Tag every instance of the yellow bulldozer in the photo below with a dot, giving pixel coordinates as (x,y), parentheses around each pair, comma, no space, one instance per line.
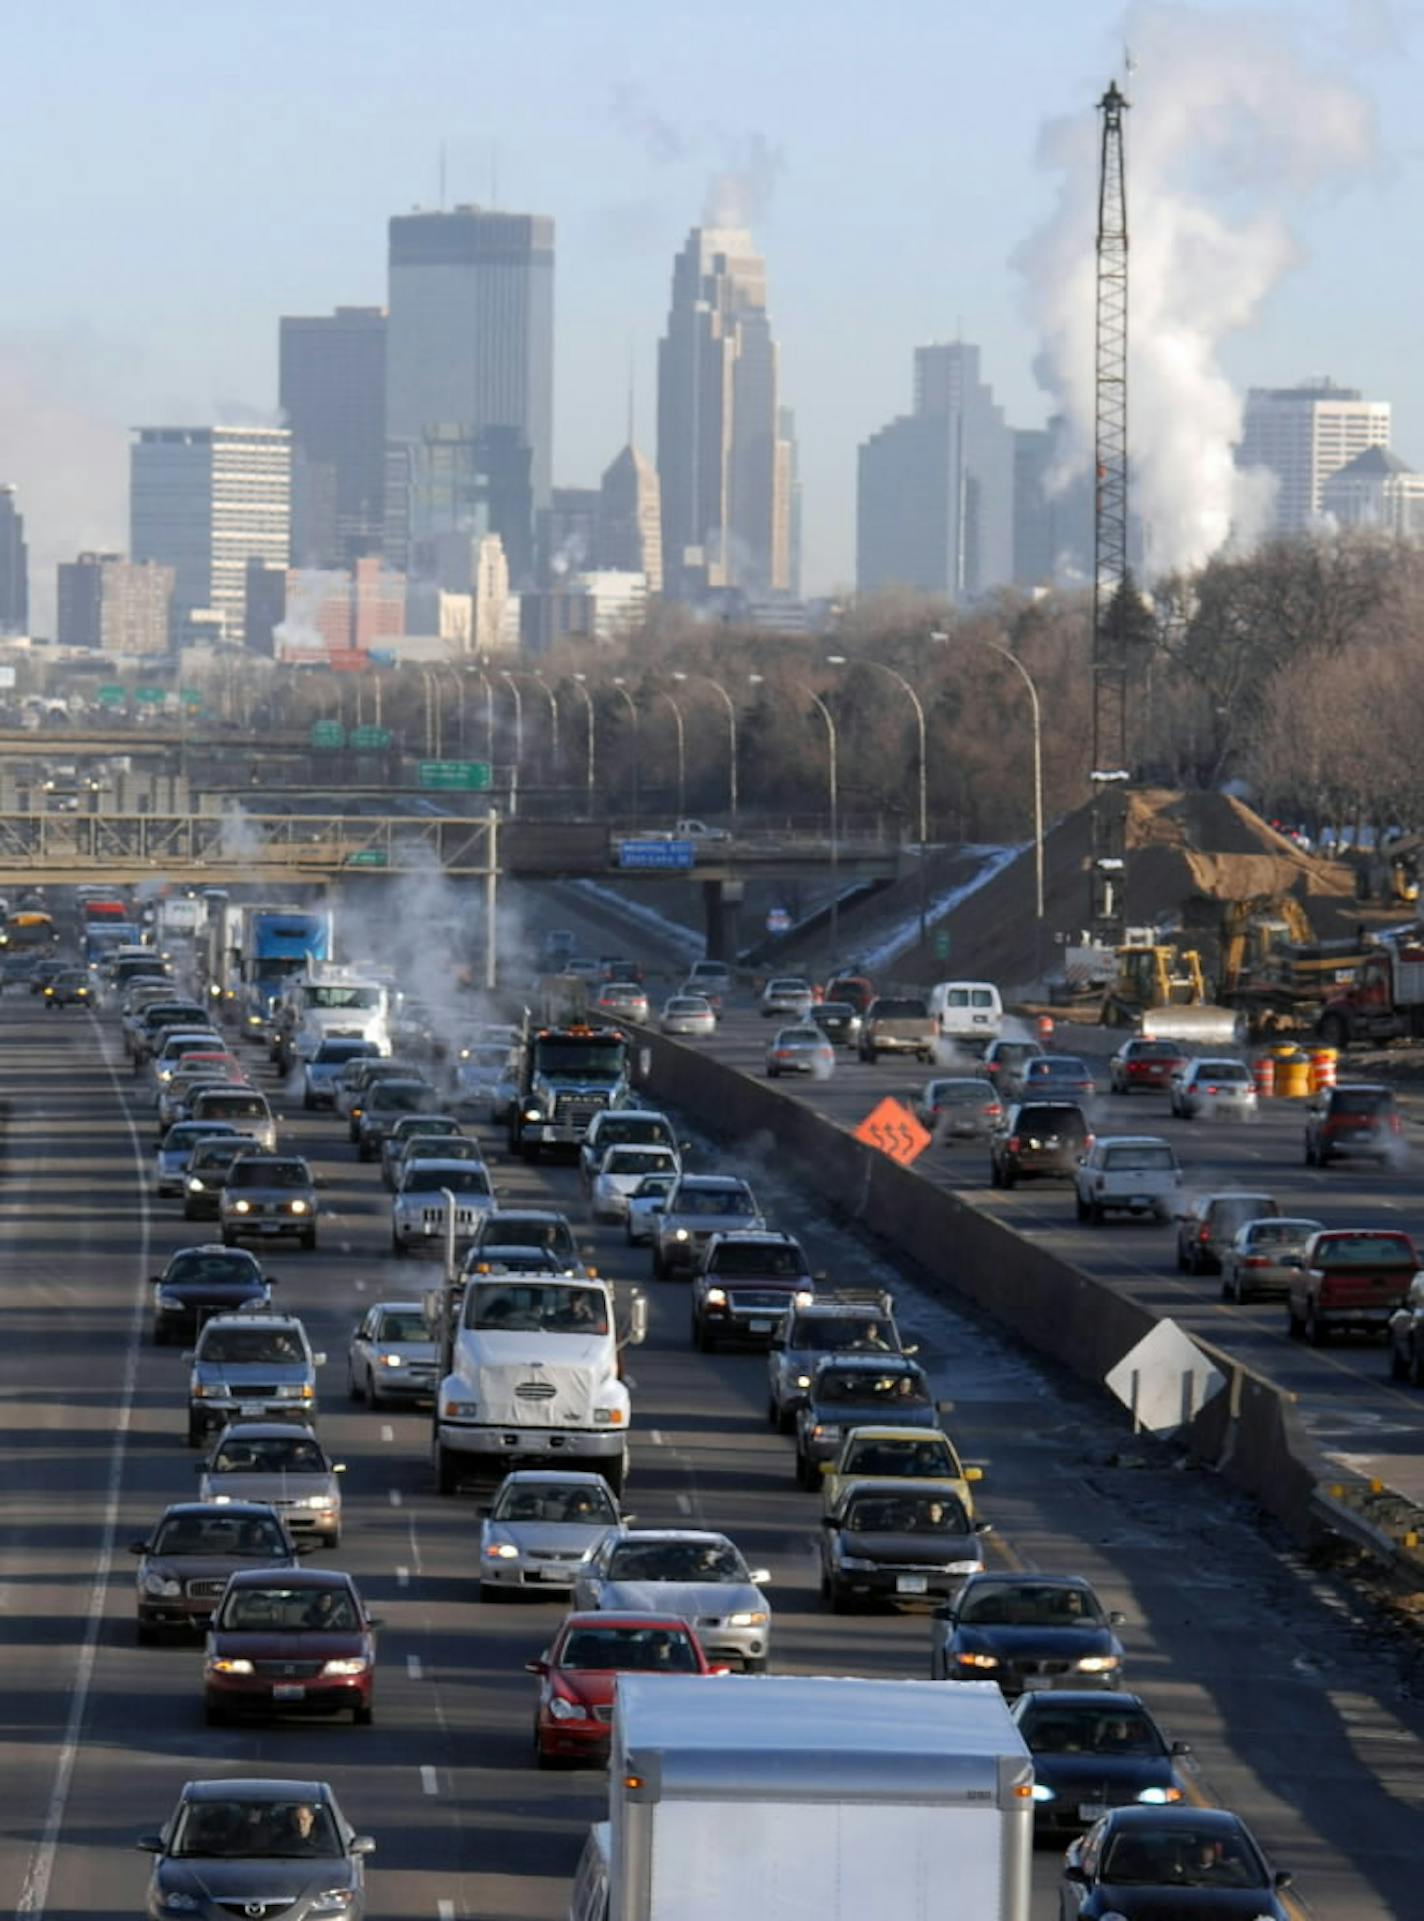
(1161,989)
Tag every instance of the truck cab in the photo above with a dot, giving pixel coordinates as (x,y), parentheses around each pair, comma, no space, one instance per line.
(331,1004)
(567,1076)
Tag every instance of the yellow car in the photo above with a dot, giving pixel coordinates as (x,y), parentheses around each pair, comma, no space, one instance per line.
(921,1454)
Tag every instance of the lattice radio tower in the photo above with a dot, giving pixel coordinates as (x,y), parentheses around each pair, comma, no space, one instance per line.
(1110,578)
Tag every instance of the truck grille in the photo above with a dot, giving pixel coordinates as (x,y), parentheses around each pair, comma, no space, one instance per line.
(534,1391)
(578,1110)
(1040,1667)
(205,1590)
(288,1670)
(466,1218)
(750,1300)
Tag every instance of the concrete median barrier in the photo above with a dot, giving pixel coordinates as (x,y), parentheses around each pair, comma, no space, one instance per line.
(1250,1432)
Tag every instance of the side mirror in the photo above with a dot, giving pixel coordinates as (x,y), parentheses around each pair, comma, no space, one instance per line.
(1283,1878)
(305,1547)
(719,1670)
(138,1547)
(778,1346)
(828,1467)
(910,1348)
(983,1527)
(361,1844)
(638,1320)
(1181,1747)
(271,1280)
(150,1843)
(338,1467)
(974,1474)
(832,1522)
(319,1360)
(155,1280)
(1073,1872)
(761,1577)
(820,1276)
(541,1666)
(187,1354)
(1116,1618)
(375,1620)
(944,1407)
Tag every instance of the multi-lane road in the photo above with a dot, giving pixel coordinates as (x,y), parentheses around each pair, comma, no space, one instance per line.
(1296,1716)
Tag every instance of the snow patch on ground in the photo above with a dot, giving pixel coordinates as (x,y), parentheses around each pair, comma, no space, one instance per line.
(907,933)
(673,932)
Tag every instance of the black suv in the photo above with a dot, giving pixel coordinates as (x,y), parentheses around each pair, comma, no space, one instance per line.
(745,1284)
(1351,1120)
(1038,1140)
(848,1321)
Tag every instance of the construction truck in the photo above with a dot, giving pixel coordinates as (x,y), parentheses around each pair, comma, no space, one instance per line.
(1160,989)
(1274,971)
(1383,1002)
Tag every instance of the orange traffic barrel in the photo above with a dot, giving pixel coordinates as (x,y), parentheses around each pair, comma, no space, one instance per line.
(1264,1074)
(1323,1062)
(1045,1025)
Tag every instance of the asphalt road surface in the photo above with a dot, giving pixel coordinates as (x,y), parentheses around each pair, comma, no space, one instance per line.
(1298,1716)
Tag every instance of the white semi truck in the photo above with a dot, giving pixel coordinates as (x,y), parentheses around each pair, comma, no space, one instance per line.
(805,1798)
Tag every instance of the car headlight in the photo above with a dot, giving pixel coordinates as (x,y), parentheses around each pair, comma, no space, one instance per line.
(749,1619)
(1159,1797)
(1098,1664)
(608,1417)
(177,1903)
(460,1410)
(803,1297)
(977,1660)
(254,1020)
(357,1664)
(826,1431)
(161,1584)
(502,1551)
(961,1567)
(298,1207)
(803,1380)
(171,1303)
(716,1297)
(680,1234)
(392,1360)
(533,1114)
(563,1709)
(1042,1793)
(195,1186)
(333,1901)
(324,1502)
(216,1664)
(856,1565)
(208,1391)
(242,1207)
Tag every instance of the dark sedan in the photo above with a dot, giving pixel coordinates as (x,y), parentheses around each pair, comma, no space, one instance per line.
(1027,1631)
(1156,1864)
(202,1281)
(299,1642)
(1093,1751)
(839,1021)
(184,1563)
(857,1390)
(887,1541)
(257,1847)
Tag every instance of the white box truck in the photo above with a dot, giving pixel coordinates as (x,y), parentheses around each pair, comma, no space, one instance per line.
(805,1798)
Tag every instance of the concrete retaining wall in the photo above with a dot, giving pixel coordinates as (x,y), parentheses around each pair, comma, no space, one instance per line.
(1250,1432)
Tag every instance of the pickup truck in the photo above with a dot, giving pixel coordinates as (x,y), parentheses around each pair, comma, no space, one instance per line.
(1350,1278)
(898,1024)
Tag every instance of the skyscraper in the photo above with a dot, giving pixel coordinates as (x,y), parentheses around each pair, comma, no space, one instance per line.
(790,455)
(470,338)
(723,474)
(14,566)
(935,499)
(332,386)
(120,605)
(629,534)
(204,501)
(1303,435)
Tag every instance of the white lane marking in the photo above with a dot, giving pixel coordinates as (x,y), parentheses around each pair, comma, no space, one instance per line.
(413,1667)
(445,1911)
(684,1504)
(360,1285)
(428,1781)
(34,1891)
(415,1559)
(388,1433)
(402,1577)
(395,1497)
(630,1383)
(657,1437)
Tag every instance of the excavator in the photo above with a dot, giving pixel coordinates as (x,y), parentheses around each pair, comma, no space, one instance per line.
(1273,969)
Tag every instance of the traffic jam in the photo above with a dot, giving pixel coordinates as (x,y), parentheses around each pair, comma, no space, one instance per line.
(544,1219)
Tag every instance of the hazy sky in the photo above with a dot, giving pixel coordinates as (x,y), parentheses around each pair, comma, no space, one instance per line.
(180,175)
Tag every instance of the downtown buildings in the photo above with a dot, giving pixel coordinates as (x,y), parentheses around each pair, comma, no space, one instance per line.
(1301,436)
(14,566)
(119,606)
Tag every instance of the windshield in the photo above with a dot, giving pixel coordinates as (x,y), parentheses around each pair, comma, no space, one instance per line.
(579,1060)
(1220,1071)
(675,1561)
(637,1161)
(1365,1250)
(688,1004)
(330,994)
(218,1153)
(251,1173)
(1282,1233)
(488,1060)
(906,1514)
(772,1263)
(1153,1051)
(1140,1160)
(459,1180)
(269,1454)
(238,1107)
(578,1505)
(629,1651)
(959,1093)
(1181,1857)
(398,1097)
(629,1130)
(900,1010)
(222,1536)
(337,1053)
(230,1265)
(185,1133)
(714,1200)
(555,1236)
(403,1326)
(252,1346)
(789,987)
(1028,1605)
(526,1307)
(856,1387)
(1360,1100)
(923,1460)
(839,1333)
(439,1147)
(1055,1728)
(239,1830)
(434,1125)
(1054,1066)
(289,1610)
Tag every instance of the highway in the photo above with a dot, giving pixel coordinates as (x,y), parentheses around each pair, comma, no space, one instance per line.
(1298,1717)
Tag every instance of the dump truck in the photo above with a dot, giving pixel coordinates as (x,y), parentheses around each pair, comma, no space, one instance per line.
(1384,1001)
(1274,971)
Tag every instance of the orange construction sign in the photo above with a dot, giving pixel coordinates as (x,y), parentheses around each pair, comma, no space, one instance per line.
(894,1130)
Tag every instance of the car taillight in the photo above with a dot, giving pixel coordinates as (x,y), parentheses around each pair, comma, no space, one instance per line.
(1395,1125)
(1012,1143)
(1256,1260)
(1203,1232)
(993,1110)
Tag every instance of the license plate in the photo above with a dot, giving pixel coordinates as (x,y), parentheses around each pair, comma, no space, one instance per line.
(270,1227)
(289,1691)
(252,1410)
(1092,1810)
(760,1327)
(911,1584)
(1140,1201)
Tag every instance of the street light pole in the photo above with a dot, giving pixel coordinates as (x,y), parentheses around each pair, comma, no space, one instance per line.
(553,728)
(513,685)
(839,660)
(834,796)
(731,706)
(663,694)
(620,684)
(581,682)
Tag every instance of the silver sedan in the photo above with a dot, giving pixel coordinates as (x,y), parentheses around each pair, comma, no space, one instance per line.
(392,1356)
(542,1528)
(1218,1089)
(1264,1257)
(789,995)
(682,1571)
(800,1050)
(690,1015)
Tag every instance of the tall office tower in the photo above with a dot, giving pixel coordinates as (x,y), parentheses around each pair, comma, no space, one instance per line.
(119,605)
(935,496)
(567,533)
(629,537)
(450,481)
(1303,435)
(204,501)
(791,495)
(332,387)
(14,566)
(470,340)
(721,467)
(1053,524)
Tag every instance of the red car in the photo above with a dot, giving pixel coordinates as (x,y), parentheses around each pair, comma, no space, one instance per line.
(579,1672)
(854,988)
(1143,1063)
(290,1641)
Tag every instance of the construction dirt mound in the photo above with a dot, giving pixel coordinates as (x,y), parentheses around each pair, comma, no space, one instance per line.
(1180,847)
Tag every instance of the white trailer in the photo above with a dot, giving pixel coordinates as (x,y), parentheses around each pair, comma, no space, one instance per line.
(805,1798)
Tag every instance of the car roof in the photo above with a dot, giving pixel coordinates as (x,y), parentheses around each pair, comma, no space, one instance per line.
(499,1215)
(316,1577)
(396,1307)
(551,1476)
(1361,1087)
(757,1236)
(252,1320)
(702,1182)
(257,1788)
(897,1484)
(1217,1820)
(671,1534)
(606,1618)
(843,1310)
(870,1364)
(1025,1577)
(1106,1700)
(873,1431)
(632,1113)
(227,1509)
(268,1430)
(1131,1140)
(452,1163)
(1235,1194)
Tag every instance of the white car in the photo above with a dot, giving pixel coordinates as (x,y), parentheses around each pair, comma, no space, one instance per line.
(419,1208)
(789,996)
(645,1203)
(392,1356)
(620,1173)
(691,1015)
(1129,1174)
(1218,1089)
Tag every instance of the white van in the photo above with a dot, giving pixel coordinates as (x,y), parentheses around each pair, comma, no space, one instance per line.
(967,1010)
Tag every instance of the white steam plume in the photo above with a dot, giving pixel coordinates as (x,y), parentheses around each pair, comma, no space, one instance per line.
(1229,123)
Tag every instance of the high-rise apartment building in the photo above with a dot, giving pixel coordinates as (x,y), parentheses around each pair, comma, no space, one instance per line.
(14,566)
(721,465)
(629,537)
(332,388)
(935,496)
(470,336)
(115,604)
(1302,435)
(204,501)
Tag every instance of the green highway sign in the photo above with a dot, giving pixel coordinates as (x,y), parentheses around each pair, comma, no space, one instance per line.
(112,696)
(370,736)
(469,774)
(150,694)
(941,944)
(191,696)
(368,857)
(328,733)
